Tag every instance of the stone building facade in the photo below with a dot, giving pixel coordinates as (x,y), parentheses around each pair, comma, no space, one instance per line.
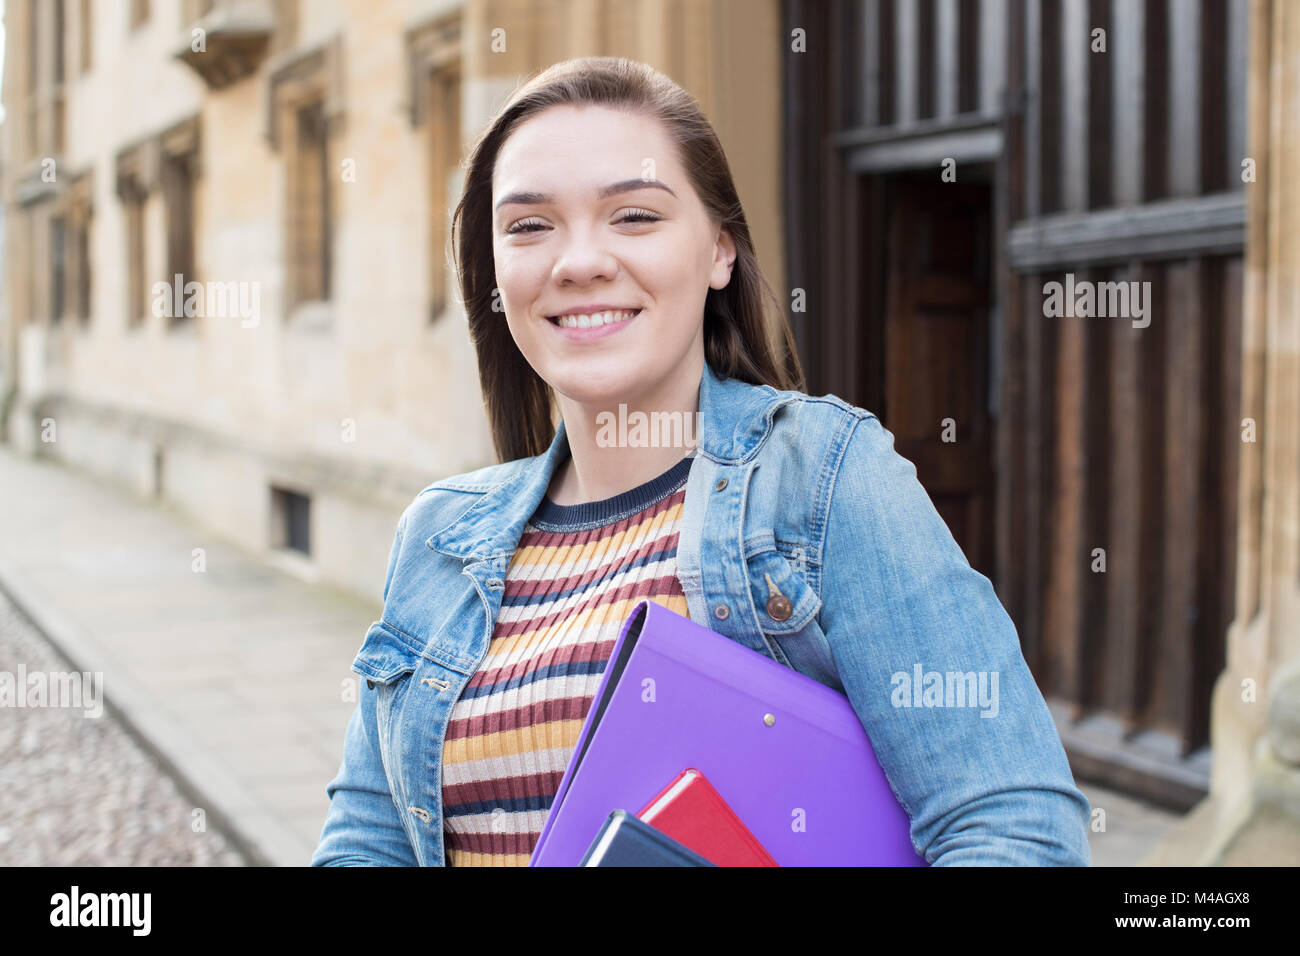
(300,162)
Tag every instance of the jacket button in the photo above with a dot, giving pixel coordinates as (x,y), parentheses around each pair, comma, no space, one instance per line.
(370,683)
(722,483)
(721,612)
(779,608)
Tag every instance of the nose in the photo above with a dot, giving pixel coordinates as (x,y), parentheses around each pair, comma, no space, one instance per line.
(583,258)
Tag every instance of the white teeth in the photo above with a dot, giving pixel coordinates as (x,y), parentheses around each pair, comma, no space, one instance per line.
(595,319)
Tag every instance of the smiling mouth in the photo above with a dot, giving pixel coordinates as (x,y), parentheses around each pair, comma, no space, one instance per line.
(594,319)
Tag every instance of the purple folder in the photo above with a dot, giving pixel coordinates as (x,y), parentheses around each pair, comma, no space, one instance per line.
(788,753)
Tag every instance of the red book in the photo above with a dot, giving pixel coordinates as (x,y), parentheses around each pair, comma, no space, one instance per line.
(694,814)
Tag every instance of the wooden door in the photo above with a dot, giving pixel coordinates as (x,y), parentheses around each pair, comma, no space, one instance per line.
(936,350)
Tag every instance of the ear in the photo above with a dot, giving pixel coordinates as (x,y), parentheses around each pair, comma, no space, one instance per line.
(724,257)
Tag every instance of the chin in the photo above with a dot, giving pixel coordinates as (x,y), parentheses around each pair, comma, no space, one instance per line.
(596,385)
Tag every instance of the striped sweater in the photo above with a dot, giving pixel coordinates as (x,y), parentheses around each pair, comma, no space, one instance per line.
(575,576)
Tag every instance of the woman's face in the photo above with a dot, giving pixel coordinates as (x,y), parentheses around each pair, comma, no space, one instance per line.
(593,213)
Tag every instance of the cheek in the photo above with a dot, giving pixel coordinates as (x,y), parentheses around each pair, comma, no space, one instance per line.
(677,282)
(504,270)
(675,267)
(519,280)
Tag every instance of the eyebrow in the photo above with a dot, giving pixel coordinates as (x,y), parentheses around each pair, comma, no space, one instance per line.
(613,189)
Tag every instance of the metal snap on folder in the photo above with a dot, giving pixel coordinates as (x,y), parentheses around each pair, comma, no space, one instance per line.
(787,753)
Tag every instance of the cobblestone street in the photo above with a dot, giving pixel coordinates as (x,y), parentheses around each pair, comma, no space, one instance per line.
(235,675)
(80,791)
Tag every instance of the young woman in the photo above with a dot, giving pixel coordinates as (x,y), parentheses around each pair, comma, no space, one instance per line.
(608,273)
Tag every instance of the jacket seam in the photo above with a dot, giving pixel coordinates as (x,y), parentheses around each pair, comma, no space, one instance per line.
(420,650)
(829,479)
(463,488)
(774,650)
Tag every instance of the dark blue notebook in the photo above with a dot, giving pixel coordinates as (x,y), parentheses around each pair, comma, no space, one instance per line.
(624,840)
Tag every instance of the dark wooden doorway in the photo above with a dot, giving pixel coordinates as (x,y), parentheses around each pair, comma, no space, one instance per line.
(1110,438)
(933,344)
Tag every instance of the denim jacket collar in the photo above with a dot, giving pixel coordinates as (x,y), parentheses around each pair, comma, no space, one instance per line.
(734,420)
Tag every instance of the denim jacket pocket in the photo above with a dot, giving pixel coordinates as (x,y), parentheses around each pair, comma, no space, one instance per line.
(783,599)
(774,573)
(386,654)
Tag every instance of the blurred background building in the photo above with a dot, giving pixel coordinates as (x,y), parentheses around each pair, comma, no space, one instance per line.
(306,157)
(915,173)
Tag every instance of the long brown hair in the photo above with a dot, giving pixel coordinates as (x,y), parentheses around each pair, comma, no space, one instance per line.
(736,342)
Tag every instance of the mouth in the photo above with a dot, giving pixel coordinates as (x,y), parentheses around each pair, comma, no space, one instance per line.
(592,320)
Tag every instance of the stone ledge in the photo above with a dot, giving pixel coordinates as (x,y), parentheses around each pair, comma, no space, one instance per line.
(372,483)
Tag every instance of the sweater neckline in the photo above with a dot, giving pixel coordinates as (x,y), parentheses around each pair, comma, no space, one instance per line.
(553,517)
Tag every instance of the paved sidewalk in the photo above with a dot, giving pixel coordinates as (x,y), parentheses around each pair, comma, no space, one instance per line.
(1133,827)
(233,677)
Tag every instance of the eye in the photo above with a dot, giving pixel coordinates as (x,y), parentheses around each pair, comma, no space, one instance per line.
(640,215)
(525,225)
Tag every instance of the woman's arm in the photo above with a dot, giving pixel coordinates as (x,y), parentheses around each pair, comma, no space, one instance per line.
(987,783)
(363,827)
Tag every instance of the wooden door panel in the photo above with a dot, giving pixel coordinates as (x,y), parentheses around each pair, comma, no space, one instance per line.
(935,345)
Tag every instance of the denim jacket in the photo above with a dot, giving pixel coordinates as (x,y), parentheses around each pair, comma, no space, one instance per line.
(791,496)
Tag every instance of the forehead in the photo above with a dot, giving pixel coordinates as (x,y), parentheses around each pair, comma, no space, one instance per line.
(580,148)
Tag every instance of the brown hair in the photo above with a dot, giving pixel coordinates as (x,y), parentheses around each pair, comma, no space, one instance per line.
(736,343)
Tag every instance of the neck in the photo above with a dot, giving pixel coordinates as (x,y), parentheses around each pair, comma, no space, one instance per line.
(609,454)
